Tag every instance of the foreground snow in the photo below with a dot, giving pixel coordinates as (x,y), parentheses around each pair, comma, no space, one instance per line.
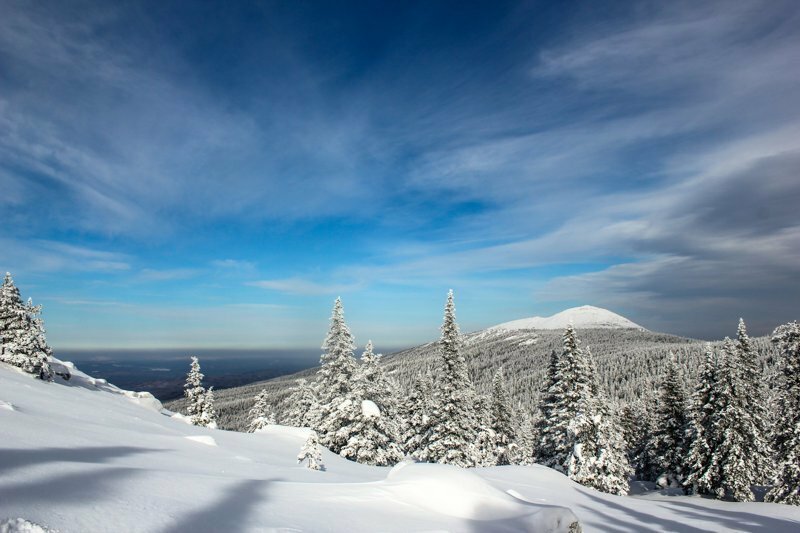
(584,317)
(84,456)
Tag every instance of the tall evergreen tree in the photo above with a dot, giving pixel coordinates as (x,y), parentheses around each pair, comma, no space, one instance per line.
(452,434)
(416,414)
(637,426)
(702,471)
(372,436)
(372,383)
(668,440)
(568,389)
(197,396)
(302,406)
(22,336)
(754,404)
(335,379)
(208,416)
(503,423)
(260,414)
(578,434)
(732,427)
(372,431)
(787,437)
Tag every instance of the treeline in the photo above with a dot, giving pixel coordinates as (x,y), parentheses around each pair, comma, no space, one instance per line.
(720,440)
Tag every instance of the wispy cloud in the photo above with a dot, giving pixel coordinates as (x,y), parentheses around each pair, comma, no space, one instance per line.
(53,256)
(303,287)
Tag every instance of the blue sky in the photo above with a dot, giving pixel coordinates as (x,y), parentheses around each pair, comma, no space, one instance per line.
(186,174)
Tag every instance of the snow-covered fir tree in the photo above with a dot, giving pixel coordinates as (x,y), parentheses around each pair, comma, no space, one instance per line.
(371,383)
(22,336)
(668,444)
(754,403)
(702,472)
(578,433)
(199,408)
(208,416)
(302,406)
(503,423)
(335,381)
(526,437)
(416,410)
(725,434)
(260,414)
(567,390)
(637,426)
(452,433)
(786,488)
(372,436)
(312,453)
(732,427)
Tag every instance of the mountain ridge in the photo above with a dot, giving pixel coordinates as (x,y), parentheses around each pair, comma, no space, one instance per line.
(582,317)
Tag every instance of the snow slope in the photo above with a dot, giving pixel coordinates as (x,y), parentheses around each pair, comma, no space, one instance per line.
(85,456)
(584,317)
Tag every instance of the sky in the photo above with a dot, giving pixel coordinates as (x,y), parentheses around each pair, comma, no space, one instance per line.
(215,174)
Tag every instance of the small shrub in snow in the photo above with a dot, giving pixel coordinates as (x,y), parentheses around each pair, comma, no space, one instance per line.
(312,453)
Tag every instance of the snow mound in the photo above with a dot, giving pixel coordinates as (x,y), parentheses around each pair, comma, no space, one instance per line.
(462,494)
(68,374)
(584,317)
(202,439)
(369,409)
(20,525)
(7,406)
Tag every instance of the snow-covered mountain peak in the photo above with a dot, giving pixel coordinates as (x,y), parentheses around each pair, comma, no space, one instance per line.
(583,317)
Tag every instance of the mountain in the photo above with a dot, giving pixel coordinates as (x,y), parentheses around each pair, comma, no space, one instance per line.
(630,363)
(584,317)
(84,456)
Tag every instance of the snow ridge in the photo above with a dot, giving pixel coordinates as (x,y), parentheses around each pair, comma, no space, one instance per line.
(584,317)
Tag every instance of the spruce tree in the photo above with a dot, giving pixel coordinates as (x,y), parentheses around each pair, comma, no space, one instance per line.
(452,434)
(668,440)
(312,453)
(372,436)
(568,390)
(371,433)
(637,426)
(260,414)
(22,336)
(579,435)
(526,437)
(302,406)
(335,379)
(750,392)
(208,416)
(372,384)
(197,396)
(787,437)
(732,426)
(506,450)
(416,412)
(703,473)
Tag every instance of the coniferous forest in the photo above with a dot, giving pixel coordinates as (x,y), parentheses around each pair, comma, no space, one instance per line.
(697,417)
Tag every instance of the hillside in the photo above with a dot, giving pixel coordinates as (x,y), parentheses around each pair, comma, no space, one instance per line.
(630,362)
(83,456)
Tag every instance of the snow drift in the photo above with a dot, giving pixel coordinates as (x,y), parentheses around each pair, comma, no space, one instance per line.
(84,456)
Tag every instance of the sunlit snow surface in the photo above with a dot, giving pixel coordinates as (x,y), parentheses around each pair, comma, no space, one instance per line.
(83,456)
(584,317)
